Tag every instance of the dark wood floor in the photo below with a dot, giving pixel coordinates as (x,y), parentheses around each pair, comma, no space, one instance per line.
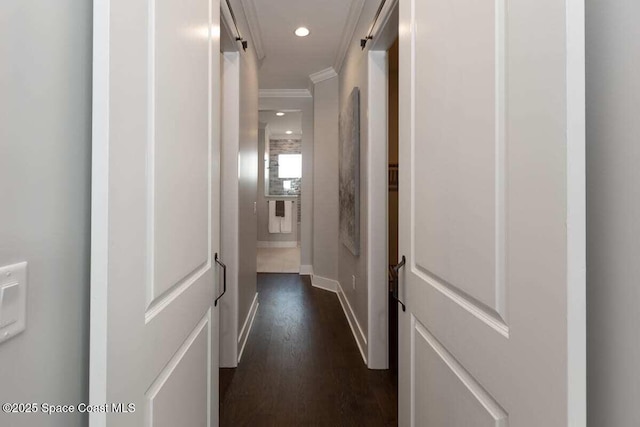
(301,365)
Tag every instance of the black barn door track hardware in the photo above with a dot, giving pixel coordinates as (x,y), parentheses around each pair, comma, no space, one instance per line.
(369,36)
(239,38)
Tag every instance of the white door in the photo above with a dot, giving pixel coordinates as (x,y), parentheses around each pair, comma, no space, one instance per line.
(155,212)
(492,213)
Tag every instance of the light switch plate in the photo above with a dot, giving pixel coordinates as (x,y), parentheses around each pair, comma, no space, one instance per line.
(13,300)
(10,304)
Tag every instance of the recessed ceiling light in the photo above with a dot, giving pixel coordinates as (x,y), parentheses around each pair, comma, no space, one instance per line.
(280,114)
(302,32)
(289,132)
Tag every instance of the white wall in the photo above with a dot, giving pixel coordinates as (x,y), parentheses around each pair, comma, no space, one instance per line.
(306,106)
(325,182)
(354,73)
(45,158)
(248,183)
(239,190)
(613,212)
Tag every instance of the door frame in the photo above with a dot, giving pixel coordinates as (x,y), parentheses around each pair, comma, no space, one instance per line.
(385,32)
(298,101)
(230,119)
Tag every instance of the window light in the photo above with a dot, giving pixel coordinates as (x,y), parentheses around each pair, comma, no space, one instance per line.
(290,166)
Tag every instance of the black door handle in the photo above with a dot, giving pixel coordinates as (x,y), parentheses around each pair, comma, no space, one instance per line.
(396,281)
(224,278)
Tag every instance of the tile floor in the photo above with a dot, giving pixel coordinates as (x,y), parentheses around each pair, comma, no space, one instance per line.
(278,260)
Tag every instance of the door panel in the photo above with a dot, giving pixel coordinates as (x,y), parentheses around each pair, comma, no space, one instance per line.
(178,141)
(492,213)
(155,212)
(460,100)
(181,388)
(447,384)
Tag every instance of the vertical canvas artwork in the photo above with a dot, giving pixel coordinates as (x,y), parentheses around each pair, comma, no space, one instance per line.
(350,173)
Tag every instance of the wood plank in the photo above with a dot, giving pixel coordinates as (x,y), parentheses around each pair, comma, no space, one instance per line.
(301,365)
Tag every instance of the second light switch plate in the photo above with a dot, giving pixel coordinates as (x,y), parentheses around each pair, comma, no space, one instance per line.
(13,300)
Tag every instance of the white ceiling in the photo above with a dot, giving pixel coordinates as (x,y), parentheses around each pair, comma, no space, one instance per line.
(290,60)
(292,120)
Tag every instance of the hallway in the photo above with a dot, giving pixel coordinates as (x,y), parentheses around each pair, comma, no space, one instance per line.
(301,365)
(319,213)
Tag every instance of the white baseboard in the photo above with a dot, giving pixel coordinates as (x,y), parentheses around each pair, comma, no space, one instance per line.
(306,270)
(358,335)
(246,328)
(263,244)
(324,283)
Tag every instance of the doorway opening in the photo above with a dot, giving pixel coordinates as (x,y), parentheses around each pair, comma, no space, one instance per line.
(383,130)
(392,198)
(279,191)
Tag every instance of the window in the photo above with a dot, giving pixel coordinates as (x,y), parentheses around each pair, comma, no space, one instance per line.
(290,166)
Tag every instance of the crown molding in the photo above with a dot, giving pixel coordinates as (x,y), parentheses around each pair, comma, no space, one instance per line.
(285,93)
(355,11)
(253,23)
(320,76)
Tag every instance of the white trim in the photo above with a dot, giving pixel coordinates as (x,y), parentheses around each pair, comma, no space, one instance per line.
(576,215)
(306,270)
(285,93)
(230,113)
(269,244)
(334,286)
(99,275)
(378,215)
(320,76)
(359,336)
(355,11)
(245,331)
(253,23)
(311,88)
(324,283)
